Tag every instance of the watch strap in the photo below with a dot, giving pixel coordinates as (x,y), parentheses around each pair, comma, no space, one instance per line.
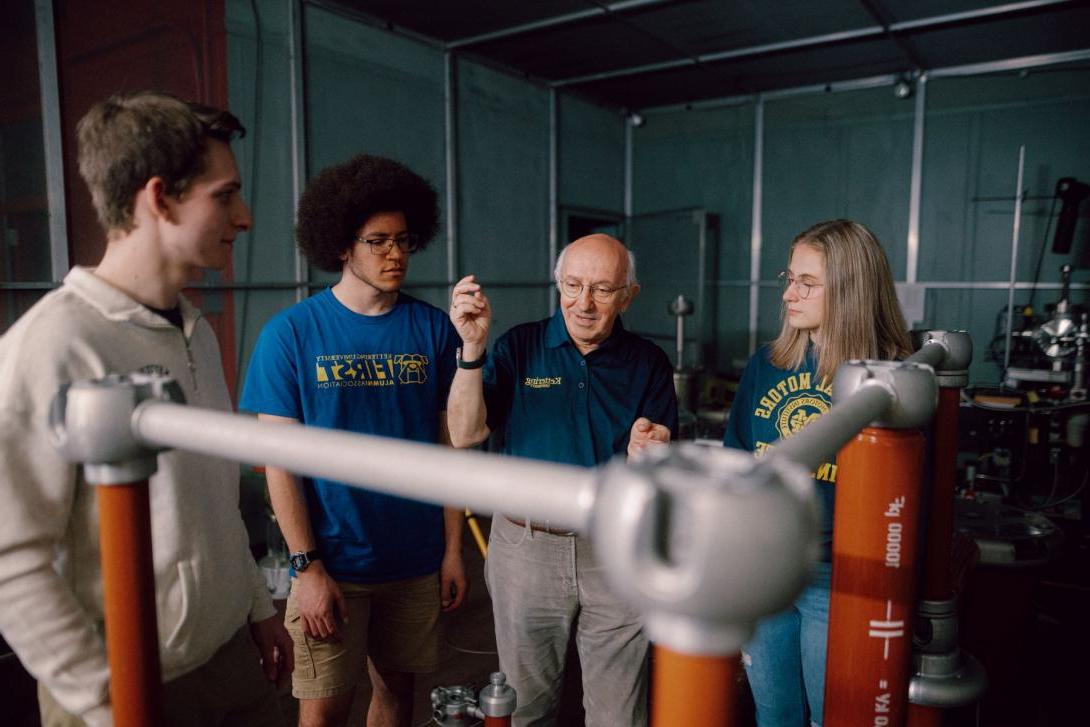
(463,364)
(301,560)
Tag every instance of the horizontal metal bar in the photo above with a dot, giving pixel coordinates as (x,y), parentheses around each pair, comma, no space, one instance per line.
(975,69)
(823,437)
(1011,64)
(553,22)
(937,285)
(561,494)
(351,13)
(29,286)
(865,33)
(977,14)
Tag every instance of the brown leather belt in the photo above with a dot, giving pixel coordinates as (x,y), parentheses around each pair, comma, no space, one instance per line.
(540,528)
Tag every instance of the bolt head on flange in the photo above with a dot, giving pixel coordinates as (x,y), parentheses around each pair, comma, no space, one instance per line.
(703,542)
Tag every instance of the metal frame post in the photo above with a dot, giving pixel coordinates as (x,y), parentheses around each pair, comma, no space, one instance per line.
(51,139)
(296,60)
(450,136)
(755,235)
(554,192)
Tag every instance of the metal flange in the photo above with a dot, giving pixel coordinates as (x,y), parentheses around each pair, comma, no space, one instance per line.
(90,422)
(952,366)
(911,387)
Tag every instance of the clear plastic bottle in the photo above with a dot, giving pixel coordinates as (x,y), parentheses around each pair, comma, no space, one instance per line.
(274,565)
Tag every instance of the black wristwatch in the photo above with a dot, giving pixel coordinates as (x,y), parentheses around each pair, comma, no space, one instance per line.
(301,561)
(463,364)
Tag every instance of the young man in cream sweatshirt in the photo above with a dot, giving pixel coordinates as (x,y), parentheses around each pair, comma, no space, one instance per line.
(166,189)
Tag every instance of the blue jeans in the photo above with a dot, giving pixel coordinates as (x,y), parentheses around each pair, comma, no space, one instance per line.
(785,661)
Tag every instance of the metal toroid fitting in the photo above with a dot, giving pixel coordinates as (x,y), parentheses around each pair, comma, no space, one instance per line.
(498,698)
(680,306)
(705,541)
(912,389)
(945,676)
(454,706)
(90,422)
(952,369)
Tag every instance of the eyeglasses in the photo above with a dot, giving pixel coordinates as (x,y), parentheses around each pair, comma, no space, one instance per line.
(600,293)
(407,243)
(804,289)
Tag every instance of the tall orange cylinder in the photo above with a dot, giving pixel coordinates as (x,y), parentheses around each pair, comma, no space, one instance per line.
(693,690)
(937,583)
(873,597)
(128,580)
(497,721)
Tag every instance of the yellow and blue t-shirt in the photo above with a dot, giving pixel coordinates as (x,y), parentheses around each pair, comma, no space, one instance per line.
(773,404)
(387,375)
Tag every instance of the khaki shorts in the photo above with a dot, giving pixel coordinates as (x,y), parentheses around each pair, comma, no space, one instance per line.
(396,624)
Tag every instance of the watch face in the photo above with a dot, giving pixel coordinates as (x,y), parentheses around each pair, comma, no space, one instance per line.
(299,561)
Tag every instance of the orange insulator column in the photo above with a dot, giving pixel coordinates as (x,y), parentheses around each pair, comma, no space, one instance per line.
(873,596)
(693,690)
(128,580)
(937,583)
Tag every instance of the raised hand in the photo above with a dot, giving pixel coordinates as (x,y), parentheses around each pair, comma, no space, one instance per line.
(471,314)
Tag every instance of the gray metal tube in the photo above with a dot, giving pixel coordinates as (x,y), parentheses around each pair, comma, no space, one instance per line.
(562,495)
(931,353)
(825,436)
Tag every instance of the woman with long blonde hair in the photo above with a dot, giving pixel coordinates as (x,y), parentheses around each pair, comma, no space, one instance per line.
(839,303)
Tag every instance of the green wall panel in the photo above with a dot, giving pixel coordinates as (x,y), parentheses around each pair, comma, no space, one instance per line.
(591,155)
(503,176)
(836,155)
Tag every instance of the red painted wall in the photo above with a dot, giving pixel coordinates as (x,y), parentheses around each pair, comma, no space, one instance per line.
(107,46)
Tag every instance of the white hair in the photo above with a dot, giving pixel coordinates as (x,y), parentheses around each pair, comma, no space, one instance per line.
(630,275)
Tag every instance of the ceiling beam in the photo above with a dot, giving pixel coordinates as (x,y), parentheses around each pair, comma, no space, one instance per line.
(882,17)
(556,21)
(867,33)
(858,84)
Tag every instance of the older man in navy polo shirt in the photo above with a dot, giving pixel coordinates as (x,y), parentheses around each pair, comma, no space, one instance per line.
(575,388)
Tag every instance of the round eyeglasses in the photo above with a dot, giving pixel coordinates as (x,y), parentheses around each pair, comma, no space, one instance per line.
(600,293)
(407,243)
(804,289)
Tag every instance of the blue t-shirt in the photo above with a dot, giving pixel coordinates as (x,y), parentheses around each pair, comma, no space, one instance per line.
(773,404)
(548,401)
(387,375)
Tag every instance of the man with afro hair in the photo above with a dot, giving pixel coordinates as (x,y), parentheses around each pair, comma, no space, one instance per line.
(372,571)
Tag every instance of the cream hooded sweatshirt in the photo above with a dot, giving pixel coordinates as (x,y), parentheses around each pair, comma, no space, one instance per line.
(207,585)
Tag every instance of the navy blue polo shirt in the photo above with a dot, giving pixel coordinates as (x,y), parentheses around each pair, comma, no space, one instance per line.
(548,401)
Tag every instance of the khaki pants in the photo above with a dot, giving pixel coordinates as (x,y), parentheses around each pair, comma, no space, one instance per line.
(229,690)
